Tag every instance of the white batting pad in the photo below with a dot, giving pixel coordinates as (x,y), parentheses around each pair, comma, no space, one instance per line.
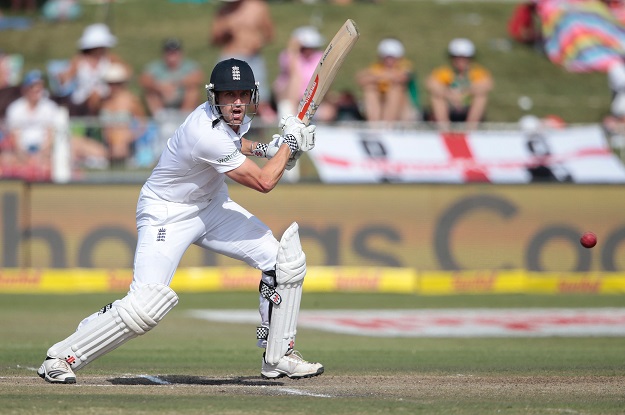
(135,314)
(290,273)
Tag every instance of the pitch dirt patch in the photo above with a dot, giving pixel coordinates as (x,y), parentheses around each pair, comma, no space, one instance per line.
(401,387)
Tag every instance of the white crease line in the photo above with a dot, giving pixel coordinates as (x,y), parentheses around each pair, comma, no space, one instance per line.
(155,379)
(302,393)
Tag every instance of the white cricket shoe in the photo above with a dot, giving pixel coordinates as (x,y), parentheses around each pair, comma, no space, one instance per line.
(56,371)
(292,365)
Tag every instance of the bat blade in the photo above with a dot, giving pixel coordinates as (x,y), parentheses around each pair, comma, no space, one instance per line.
(327,68)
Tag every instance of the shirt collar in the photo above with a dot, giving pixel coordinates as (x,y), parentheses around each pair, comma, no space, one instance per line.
(219,123)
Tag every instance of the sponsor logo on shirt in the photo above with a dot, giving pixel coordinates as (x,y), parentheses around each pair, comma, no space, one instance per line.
(228,157)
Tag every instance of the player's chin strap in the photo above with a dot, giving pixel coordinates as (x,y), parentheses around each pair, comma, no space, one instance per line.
(285,297)
(135,314)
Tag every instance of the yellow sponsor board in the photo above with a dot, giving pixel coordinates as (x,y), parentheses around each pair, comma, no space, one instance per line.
(320,279)
(591,283)
(471,282)
(361,279)
(64,281)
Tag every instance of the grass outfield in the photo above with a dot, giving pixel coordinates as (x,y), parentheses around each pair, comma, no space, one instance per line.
(214,368)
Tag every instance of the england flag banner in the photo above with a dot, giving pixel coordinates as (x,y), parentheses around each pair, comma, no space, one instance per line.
(575,154)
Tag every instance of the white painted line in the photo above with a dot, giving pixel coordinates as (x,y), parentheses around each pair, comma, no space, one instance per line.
(155,379)
(298,392)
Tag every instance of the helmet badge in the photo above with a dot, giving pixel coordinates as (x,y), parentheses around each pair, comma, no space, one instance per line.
(236,73)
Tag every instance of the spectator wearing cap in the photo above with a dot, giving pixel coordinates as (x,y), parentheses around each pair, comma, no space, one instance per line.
(30,122)
(86,69)
(385,84)
(296,65)
(173,82)
(459,91)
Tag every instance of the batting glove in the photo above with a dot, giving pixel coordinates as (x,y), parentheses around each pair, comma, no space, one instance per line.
(304,135)
(270,149)
(289,121)
(274,145)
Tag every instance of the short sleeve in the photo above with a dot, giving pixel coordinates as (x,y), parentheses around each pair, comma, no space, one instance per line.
(219,151)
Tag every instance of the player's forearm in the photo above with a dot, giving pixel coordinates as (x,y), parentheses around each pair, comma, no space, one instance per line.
(272,171)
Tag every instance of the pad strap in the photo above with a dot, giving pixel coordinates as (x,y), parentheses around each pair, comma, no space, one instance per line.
(262,333)
(270,293)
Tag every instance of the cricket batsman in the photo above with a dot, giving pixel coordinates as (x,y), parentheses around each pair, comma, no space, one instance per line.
(185,201)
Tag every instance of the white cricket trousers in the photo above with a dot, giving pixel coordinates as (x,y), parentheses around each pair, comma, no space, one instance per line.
(167,229)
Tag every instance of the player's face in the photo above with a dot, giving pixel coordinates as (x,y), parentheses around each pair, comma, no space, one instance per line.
(233,105)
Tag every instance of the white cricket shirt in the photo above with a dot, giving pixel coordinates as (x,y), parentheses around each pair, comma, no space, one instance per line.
(192,167)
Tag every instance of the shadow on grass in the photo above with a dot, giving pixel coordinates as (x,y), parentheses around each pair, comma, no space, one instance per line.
(192,380)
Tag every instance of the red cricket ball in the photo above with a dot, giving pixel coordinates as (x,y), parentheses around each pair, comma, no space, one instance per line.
(588,240)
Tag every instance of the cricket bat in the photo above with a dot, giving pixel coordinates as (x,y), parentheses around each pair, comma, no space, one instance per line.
(327,68)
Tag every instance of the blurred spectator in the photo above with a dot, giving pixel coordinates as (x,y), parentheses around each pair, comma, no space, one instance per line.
(61,10)
(173,82)
(31,121)
(296,65)
(524,25)
(459,91)
(346,107)
(122,116)
(87,68)
(385,84)
(241,29)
